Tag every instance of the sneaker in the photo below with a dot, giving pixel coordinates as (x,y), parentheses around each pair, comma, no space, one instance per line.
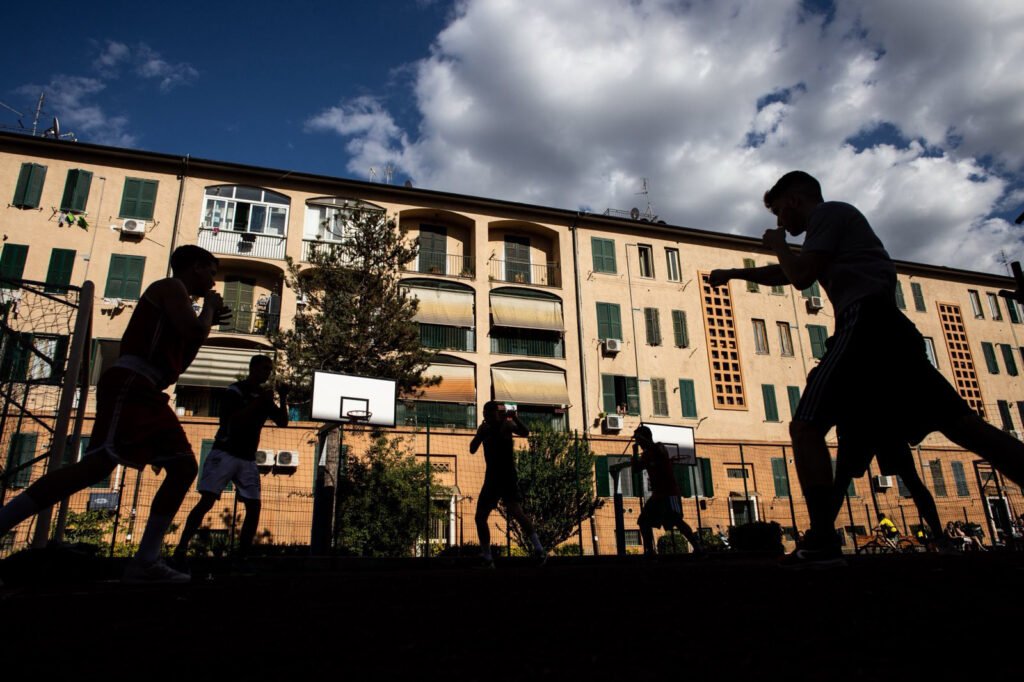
(155,572)
(814,559)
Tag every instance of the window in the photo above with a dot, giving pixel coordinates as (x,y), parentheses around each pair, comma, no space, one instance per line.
(12,261)
(1020,410)
(630,482)
(672,264)
(620,394)
(976,304)
(646,254)
(902,487)
(46,362)
(540,343)
(1004,414)
(700,477)
(781,476)
(30,186)
(778,290)
(1011,364)
(818,334)
(1013,308)
(76,191)
(810,291)
(851,491)
(659,397)
(687,398)
(653,326)
(461,416)
(124,279)
(751,286)
(204,452)
(938,480)
(433,242)
(919,305)
(682,336)
(771,408)
(238,295)
(990,357)
(138,199)
(785,339)
(736,472)
(58,276)
(444,337)
(247,209)
(993,306)
(793,393)
(103,355)
(22,450)
(760,337)
(609,324)
(901,302)
(929,349)
(959,479)
(604,255)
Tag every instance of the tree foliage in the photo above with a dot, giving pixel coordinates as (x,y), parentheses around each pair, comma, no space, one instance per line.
(556,474)
(356,319)
(383,505)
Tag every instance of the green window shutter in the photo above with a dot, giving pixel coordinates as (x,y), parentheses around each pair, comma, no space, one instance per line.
(124,279)
(812,290)
(29,189)
(608,393)
(231,296)
(688,398)
(601,476)
(1004,413)
(16,351)
(76,191)
(138,199)
(819,335)
(58,276)
(751,286)
(793,392)
(652,323)
(609,323)
(115,277)
(604,255)
(901,302)
(1011,308)
(12,261)
(705,474)
(771,409)
(679,329)
(904,490)
(683,475)
(990,357)
(22,450)
(960,479)
(780,476)
(1011,364)
(632,396)
(779,290)
(919,304)
(938,479)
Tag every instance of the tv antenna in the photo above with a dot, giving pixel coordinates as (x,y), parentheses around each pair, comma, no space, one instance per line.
(52,131)
(389,171)
(373,174)
(635,214)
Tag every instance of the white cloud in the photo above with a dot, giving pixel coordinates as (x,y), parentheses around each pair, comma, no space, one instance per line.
(149,64)
(571,103)
(111,58)
(73,99)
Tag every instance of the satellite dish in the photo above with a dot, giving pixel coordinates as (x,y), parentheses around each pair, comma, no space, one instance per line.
(634,213)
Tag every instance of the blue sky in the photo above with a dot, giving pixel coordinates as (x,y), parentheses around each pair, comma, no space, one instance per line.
(913,116)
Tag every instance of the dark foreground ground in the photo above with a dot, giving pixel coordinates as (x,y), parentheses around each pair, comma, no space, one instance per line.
(898,617)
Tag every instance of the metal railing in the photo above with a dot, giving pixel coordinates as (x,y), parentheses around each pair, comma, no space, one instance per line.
(249,322)
(523,272)
(232,243)
(445,264)
(533,347)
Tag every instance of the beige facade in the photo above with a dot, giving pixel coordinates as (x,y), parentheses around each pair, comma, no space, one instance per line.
(523,294)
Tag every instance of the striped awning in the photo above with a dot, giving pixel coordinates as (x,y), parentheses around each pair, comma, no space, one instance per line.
(440,306)
(527,313)
(458,384)
(530,387)
(215,366)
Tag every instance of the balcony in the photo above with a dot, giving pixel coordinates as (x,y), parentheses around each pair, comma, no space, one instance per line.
(523,272)
(250,322)
(527,342)
(232,243)
(444,264)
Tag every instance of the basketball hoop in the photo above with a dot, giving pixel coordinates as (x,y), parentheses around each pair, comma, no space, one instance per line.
(359,416)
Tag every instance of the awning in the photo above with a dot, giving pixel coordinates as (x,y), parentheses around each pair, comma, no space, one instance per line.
(458,384)
(530,387)
(215,366)
(527,313)
(440,306)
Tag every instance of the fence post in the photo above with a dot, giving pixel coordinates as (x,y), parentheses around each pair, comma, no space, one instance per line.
(426,533)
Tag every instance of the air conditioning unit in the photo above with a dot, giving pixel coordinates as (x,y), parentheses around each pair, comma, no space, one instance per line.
(266,458)
(133,226)
(302,300)
(883,482)
(815,303)
(613,422)
(612,345)
(287,458)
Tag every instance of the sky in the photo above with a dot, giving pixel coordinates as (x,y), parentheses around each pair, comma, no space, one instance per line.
(910,110)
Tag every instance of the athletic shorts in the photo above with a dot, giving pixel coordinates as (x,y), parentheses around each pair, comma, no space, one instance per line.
(220,467)
(855,452)
(135,424)
(499,486)
(875,367)
(660,512)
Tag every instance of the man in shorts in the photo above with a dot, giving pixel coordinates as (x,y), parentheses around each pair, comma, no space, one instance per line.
(244,408)
(875,352)
(135,426)
(501,482)
(664,508)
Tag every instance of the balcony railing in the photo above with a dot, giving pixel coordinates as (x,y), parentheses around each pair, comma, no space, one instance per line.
(524,272)
(250,322)
(539,347)
(442,337)
(446,264)
(234,243)
(310,246)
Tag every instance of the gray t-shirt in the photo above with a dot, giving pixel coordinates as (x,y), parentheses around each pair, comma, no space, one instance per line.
(860,265)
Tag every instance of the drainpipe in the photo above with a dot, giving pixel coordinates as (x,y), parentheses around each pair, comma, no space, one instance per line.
(177,210)
(579,325)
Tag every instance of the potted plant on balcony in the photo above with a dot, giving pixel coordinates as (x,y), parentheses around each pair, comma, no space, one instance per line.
(519,278)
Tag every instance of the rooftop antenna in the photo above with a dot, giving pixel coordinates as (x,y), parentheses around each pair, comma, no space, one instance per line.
(18,113)
(389,171)
(373,174)
(39,110)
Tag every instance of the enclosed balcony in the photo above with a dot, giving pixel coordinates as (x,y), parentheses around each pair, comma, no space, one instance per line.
(328,222)
(445,243)
(254,296)
(244,221)
(523,254)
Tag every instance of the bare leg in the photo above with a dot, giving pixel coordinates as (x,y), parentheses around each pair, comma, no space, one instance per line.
(57,485)
(998,448)
(248,533)
(180,472)
(924,501)
(194,520)
(647,535)
(814,470)
(483,532)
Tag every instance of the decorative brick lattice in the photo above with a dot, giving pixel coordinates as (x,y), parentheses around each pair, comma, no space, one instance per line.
(965,377)
(723,349)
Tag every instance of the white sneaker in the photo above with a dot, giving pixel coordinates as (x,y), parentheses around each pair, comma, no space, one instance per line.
(156,572)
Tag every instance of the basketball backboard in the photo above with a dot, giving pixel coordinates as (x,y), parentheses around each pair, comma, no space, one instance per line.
(678,440)
(345,398)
